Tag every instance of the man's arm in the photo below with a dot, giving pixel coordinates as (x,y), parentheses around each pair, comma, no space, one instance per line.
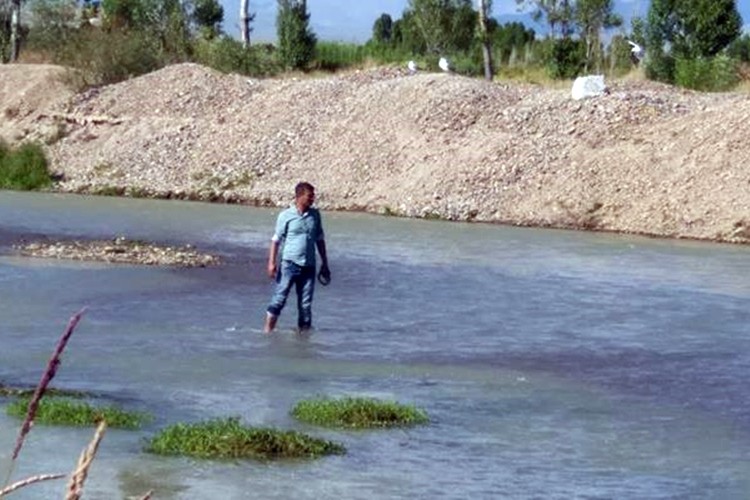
(273,253)
(325,272)
(321,244)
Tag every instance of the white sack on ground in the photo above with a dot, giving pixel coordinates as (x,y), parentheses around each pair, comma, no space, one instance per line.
(588,86)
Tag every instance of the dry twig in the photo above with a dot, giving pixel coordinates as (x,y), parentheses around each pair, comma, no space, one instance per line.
(29,480)
(47,377)
(75,485)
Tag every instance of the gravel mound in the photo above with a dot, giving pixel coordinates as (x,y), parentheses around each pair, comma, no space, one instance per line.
(645,158)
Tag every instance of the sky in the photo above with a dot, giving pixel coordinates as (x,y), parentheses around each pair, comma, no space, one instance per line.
(352,20)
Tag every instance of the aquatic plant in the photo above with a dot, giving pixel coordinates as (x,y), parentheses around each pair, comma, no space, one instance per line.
(228,438)
(358,413)
(65,411)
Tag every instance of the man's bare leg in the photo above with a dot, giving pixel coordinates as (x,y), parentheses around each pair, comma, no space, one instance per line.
(270,323)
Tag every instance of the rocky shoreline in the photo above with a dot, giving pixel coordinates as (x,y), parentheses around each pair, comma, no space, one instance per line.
(119,250)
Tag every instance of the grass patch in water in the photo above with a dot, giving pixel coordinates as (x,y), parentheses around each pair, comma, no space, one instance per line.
(358,413)
(227,438)
(65,411)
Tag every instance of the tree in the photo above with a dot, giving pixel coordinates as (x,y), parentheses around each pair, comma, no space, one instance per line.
(445,25)
(740,49)
(245,19)
(15,29)
(556,12)
(484,9)
(592,16)
(382,30)
(688,29)
(296,39)
(56,24)
(5,19)
(509,37)
(208,16)
(407,36)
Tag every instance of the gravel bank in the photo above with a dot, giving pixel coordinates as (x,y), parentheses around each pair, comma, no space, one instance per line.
(647,158)
(119,250)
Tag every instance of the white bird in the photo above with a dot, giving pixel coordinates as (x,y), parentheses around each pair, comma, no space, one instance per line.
(412,67)
(636,52)
(444,65)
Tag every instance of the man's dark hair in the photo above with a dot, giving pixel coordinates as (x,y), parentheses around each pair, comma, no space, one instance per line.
(303,187)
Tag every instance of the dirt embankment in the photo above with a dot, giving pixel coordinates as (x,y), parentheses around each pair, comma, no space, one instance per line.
(647,158)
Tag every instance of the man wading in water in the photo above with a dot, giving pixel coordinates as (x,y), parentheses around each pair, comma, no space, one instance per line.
(299,230)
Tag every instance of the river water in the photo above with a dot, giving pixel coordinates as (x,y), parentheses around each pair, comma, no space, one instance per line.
(552,364)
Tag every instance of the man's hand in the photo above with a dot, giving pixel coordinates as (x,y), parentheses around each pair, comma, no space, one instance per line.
(272,268)
(324,276)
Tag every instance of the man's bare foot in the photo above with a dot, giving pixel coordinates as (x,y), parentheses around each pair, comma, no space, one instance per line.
(304,332)
(269,324)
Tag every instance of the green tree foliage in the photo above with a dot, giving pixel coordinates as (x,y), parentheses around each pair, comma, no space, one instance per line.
(446,26)
(382,30)
(406,34)
(620,60)
(564,57)
(166,20)
(228,55)
(740,49)
(688,29)
(208,16)
(638,30)
(296,39)
(55,26)
(713,74)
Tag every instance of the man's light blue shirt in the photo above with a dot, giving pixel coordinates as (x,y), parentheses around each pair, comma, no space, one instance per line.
(298,234)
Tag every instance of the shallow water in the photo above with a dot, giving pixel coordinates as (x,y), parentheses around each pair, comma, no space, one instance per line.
(553,364)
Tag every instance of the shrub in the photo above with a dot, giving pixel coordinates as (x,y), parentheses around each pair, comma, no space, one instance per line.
(24,168)
(228,55)
(358,413)
(64,411)
(228,438)
(334,55)
(564,58)
(709,74)
(109,57)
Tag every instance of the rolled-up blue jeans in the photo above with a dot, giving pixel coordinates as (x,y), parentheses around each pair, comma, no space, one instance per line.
(303,278)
